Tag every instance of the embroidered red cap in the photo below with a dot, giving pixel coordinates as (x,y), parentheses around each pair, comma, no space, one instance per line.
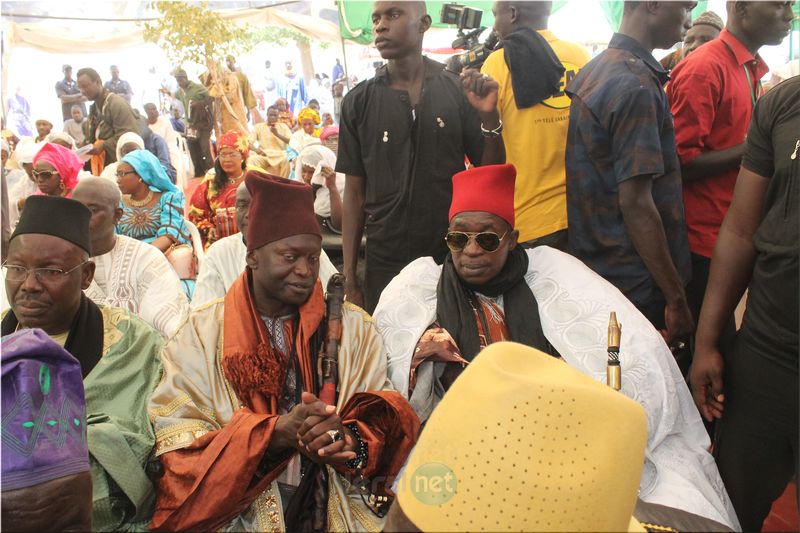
(489,188)
(279,208)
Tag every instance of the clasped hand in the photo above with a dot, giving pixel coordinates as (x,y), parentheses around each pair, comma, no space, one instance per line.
(306,427)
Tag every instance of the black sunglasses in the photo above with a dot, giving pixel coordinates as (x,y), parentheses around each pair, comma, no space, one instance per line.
(488,240)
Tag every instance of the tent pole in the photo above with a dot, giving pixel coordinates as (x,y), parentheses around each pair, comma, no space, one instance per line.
(344,58)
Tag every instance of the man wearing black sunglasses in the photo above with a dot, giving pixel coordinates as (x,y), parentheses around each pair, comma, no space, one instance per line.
(402,135)
(435,320)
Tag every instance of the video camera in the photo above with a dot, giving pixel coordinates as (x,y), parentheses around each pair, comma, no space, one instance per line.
(467,18)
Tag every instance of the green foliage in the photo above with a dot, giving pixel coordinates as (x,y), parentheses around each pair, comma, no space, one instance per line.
(273,35)
(188,32)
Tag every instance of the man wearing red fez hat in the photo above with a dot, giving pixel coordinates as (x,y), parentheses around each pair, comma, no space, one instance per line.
(245,438)
(403,134)
(435,319)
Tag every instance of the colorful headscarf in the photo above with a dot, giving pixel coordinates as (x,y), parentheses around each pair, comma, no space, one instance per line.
(308,113)
(236,140)
(150,169)
(327,131)
(64,160)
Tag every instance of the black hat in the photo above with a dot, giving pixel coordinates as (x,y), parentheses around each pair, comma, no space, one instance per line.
(57,216)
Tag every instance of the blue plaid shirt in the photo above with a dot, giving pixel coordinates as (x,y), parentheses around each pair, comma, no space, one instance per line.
(620,127)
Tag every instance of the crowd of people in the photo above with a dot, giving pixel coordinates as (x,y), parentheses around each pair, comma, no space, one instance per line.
(203,364)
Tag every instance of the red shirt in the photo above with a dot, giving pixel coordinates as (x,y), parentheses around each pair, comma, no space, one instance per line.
(712,102)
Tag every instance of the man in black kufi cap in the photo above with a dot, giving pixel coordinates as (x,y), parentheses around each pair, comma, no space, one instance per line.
(47,268)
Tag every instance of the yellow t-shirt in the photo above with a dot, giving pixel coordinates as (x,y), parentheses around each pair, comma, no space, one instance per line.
(535,139)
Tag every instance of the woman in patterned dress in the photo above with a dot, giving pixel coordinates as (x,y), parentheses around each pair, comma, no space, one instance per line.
(153,212)
(213,205)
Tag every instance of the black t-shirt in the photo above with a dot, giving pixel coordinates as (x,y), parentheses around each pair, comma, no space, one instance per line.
(770,326)
(408,158)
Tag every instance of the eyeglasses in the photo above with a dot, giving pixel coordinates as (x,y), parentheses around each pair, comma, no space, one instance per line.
(44,275)
(488,240)
(123,173)
(44,174)
(229,155)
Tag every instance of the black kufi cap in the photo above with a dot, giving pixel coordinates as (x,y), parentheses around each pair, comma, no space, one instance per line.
(57,216)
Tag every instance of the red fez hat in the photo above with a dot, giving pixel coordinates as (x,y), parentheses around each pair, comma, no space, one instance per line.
(489,188)
(279,208)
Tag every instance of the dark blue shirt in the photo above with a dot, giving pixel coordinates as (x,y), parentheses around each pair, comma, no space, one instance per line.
(120,87)
(69,88)
(178,125)
(620,127)
(338,72)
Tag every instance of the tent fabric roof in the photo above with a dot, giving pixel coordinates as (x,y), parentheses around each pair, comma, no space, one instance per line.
(130,34)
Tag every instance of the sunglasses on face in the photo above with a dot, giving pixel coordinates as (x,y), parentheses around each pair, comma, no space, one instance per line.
(489,241)
(44,174)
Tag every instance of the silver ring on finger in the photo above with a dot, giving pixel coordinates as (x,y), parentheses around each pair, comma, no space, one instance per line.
(334,434)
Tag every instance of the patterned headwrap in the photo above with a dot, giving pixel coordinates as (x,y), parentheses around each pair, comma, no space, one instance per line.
(327,131)
(150,169)
(709,18)
(44,411)
(308,113)
(236,140)
(64,160)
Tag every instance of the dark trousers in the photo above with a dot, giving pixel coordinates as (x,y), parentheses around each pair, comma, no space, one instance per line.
(695,292)
(653,311)
(757,448)
(558,240)
(377,276)
(200,151)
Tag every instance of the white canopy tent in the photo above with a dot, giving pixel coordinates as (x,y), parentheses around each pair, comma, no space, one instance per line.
(34,52)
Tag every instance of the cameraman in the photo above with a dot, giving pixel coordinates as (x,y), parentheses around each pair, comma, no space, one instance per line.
(532,68)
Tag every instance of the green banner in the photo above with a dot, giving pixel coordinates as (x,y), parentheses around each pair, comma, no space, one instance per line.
(612,9)
(355,16)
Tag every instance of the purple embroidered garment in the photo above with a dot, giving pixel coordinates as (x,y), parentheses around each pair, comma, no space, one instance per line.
(43,411)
